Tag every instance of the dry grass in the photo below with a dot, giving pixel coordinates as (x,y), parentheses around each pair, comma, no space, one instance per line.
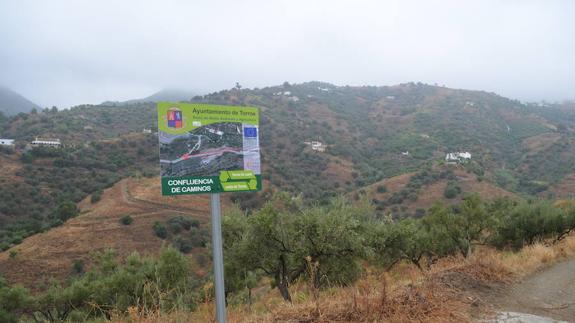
(50,255)
(535,257)
(450,292)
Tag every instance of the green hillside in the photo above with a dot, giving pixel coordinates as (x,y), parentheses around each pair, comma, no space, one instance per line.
(367,131)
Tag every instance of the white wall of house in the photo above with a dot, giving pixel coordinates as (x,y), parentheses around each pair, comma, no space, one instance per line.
(47,142)
(6,142)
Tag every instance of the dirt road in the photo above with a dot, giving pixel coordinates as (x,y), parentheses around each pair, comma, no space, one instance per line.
(548,294)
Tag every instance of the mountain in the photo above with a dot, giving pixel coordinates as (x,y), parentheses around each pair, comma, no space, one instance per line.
(384,144)
(170,95)
(372,136)
(12,103)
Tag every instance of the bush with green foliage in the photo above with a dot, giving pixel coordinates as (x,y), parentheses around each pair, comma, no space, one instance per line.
(180,223)
(451,190)
(183,232)
(78,266)
(66,210)
(14,302)
(160,230)
(96,196)
(126,219)
(530,222)
(163,284)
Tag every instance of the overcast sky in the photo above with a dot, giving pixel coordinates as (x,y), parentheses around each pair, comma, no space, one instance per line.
(72,52)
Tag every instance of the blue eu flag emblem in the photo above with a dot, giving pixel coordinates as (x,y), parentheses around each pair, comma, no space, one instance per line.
(250,132)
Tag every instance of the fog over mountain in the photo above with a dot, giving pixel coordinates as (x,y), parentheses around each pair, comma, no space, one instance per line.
(12,103)
(66,53)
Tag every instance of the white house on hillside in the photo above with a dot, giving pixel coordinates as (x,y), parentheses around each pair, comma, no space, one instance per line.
(46,143)
(315,145)
(457,157)
(6,142)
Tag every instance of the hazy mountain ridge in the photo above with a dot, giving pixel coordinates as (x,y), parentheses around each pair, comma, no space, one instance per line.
(12,103)
(171,95)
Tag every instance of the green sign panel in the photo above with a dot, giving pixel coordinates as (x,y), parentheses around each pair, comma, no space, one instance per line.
(208,148)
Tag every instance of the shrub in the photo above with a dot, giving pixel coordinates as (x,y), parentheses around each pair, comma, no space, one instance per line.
(198,237)
(179,223)
(126,220)
(419,213)
(185,246)
(78,266)
(451,190)
(66,210)
(160,230)
(529,222)
(97,196)
(381,189)
(164,283)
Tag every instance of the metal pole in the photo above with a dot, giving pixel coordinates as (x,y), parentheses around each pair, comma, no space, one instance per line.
(218,256)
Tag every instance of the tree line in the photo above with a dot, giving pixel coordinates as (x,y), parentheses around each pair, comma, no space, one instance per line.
(282,238)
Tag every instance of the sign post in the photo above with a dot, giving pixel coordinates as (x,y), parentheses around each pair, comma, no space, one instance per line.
(209,149)
(218,259)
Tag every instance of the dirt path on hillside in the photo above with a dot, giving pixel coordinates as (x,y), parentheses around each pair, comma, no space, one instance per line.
(549,293)
(130,199)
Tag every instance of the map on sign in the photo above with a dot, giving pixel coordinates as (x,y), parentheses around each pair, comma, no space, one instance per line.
(208,148)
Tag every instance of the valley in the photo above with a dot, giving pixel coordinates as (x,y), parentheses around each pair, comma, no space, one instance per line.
(348,154)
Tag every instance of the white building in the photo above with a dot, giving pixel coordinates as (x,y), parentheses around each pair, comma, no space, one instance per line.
(146,130)
(315,145)
(6,142)
(405,153)
(457,157)
(46,143)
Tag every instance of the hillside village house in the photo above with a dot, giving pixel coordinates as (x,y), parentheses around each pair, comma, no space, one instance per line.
(315,145)
(452,158)
(46,143)
(7,142)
